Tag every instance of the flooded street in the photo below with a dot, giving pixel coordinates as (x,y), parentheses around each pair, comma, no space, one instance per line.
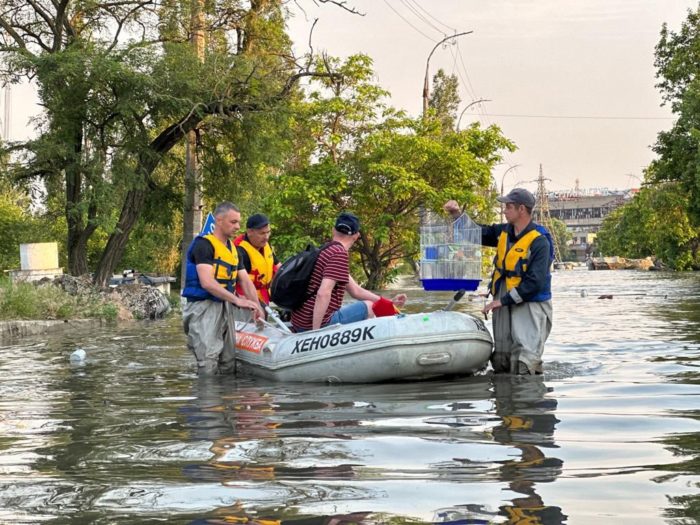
(610,433)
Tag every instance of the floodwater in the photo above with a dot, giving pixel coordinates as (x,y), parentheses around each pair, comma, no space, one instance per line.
(610,433)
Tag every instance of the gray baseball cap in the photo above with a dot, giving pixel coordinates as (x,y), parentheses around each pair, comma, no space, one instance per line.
(518,196)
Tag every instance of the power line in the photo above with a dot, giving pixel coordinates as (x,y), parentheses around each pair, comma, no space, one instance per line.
(465,80)
(409,23)
(576,117)
(422,18)
(452,29)
(464,67)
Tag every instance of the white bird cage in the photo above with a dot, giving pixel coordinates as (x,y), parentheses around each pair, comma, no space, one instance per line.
(450,253)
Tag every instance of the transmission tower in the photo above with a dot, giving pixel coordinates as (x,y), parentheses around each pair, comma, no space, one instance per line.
(543,211)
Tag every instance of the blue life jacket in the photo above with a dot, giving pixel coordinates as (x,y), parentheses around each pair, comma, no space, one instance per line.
(225,269)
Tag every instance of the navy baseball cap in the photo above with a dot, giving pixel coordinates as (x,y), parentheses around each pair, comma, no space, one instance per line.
(347,223)
(257,221)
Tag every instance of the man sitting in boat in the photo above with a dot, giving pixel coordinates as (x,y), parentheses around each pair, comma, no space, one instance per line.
(212,271)
(257,255)
(331,279)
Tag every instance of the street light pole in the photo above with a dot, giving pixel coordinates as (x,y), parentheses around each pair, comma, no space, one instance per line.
(468,106)
(503,177)
(426,84)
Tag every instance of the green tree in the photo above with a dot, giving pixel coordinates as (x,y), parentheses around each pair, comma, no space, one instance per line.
(121,87)
(678,62)
(381,164)
(562,236)
(655,223)
(17,225)
(444,99)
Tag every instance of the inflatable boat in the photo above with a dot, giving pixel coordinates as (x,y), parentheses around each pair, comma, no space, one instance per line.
(401,347)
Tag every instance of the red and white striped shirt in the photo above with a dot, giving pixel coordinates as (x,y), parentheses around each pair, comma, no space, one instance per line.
(333,263)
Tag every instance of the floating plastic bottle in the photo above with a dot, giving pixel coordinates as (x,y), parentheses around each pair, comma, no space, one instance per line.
(450,253)
(78,356)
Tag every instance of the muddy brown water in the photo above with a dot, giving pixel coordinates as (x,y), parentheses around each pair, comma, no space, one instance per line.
(610,433)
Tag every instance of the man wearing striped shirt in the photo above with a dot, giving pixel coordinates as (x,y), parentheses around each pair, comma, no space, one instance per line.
(331,279)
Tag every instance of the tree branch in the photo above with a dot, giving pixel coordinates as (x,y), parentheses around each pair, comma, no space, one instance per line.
(39,11)
(341,4)
(15,36)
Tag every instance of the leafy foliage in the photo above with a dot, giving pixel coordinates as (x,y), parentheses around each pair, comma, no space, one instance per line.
(655,223)
(121,86)
(384,166)
(562,236)
(663,220)
(678,63)
(29,301)
(444,100)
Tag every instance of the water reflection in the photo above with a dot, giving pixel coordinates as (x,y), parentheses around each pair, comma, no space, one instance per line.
(528,424)
(242,425)
(271,436)
(133,436)
(353,518)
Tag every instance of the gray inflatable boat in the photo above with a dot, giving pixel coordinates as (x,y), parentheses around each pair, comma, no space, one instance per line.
(409,347)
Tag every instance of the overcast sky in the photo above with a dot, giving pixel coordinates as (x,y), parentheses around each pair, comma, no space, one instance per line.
(571,82)
(589,63)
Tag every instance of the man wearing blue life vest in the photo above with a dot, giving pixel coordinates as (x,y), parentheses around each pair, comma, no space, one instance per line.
(520,285)
(213,269)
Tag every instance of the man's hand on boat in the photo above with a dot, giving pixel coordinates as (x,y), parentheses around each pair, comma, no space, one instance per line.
(399,300)
(247,304)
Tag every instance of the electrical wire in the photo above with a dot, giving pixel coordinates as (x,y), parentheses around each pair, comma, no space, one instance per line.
(577,117)
(451,29)
(409,23)
(422,18)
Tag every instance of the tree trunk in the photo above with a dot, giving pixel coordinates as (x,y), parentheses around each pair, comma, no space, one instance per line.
(114,251)
(77,247)
(375,280)
(376,273)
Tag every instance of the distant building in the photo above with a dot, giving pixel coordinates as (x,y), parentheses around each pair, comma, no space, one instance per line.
(583,212)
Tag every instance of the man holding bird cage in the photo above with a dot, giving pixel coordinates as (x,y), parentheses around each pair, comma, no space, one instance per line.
(520,285)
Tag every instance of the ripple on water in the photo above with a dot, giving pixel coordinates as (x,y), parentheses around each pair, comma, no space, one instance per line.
(135,436)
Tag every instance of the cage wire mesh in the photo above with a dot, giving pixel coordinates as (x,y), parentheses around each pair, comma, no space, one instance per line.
(450,253)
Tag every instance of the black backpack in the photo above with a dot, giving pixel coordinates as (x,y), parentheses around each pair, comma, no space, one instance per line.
(289,286)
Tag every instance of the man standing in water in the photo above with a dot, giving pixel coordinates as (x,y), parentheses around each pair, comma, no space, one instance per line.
(213,268)
(520,285)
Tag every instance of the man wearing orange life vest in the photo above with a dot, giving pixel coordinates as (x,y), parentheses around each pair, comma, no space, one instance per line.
(257,255)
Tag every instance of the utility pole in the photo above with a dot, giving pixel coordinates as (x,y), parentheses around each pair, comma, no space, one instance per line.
(5,121)
(426,80)
(192,209)
(544,217)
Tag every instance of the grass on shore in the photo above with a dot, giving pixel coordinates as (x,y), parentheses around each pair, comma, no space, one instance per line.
(27,301)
